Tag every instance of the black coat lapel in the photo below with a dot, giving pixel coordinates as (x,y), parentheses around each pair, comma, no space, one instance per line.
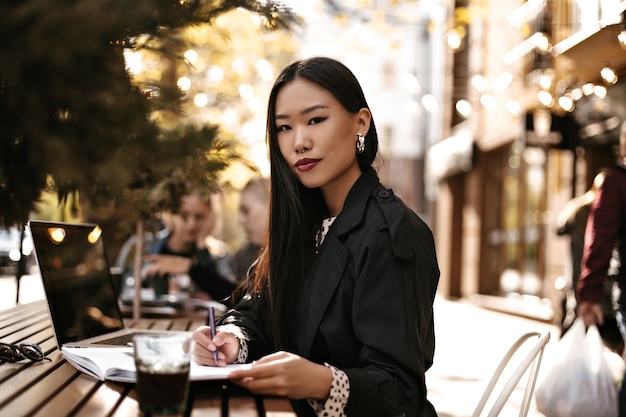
(318,290)
(329,266)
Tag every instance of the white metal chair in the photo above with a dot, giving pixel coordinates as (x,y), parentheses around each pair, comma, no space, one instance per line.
(531,362)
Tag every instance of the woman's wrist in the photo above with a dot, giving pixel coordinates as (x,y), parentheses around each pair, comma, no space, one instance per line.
(242,352)
(335,402)
(322,383)
(193,263)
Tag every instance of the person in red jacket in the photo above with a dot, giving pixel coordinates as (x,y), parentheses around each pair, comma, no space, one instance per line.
(572,221)
(605,245)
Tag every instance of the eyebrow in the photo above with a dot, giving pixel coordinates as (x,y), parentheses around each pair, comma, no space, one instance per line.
(305,111)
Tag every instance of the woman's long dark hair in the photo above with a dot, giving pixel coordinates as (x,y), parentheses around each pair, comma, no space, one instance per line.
(296,212)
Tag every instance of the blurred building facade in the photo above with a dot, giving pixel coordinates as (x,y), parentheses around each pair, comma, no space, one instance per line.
(397,52)
(528,123)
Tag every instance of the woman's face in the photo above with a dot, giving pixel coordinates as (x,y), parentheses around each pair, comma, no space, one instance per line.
(317,136)
(193,221)
(253,216)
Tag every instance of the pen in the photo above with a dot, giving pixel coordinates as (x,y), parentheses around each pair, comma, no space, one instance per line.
(212,324)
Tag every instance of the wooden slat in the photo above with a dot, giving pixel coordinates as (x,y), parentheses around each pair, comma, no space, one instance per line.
(207,400)
(163,324)
(10,326)
(278,407)
(21,317)
(70,396)
(197,322)
(211,407)
(23,309)
(29,395)
(108,397)
(129,407)
(142,323)
(17,335)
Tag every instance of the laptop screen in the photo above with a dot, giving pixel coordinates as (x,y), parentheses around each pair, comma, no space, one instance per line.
(76,279)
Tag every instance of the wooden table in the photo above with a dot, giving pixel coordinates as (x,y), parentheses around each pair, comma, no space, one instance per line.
(55,388)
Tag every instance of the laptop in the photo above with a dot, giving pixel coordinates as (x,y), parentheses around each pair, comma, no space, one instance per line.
(79,287)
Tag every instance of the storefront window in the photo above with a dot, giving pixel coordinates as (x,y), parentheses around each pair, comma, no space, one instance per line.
(535,175)
(515,198)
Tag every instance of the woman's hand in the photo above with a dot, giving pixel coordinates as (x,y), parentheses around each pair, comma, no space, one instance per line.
(166,264)
(591,313)
(287,375)
(226,344)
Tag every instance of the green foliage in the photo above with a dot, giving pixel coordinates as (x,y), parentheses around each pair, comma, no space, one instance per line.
(72,120)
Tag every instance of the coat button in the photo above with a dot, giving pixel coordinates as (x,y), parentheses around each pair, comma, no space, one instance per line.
(383,194)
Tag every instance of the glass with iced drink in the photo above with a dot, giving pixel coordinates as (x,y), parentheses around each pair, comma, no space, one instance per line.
(162,362)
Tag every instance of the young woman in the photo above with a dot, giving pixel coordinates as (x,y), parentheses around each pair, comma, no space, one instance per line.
(254,206)
(337,315)
(187,248)
(184,256)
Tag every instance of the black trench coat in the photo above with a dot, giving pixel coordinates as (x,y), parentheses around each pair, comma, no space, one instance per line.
(366,305)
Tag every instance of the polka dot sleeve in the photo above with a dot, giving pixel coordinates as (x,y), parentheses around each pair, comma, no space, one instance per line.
(243,351)
(335,404)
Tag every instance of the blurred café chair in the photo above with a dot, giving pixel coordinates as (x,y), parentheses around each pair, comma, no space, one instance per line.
(529,363)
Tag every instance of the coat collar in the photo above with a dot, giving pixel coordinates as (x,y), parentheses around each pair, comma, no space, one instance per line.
(356,200)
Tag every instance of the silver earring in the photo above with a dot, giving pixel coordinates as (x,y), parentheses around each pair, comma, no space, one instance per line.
(360,144)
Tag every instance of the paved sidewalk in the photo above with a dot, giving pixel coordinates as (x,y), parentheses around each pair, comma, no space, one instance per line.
(470,342)
(31,289)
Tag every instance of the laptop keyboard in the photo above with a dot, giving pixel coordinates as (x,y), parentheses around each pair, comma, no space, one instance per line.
(123,340)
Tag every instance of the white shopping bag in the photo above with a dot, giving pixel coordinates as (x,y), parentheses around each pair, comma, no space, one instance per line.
(577,380)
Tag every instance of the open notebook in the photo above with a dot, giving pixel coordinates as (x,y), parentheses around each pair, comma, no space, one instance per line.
(119,365)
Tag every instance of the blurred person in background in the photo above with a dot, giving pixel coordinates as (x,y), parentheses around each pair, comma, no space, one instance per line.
(184,258)
(605,252)
(337,314)
(572,222)
(254,213)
